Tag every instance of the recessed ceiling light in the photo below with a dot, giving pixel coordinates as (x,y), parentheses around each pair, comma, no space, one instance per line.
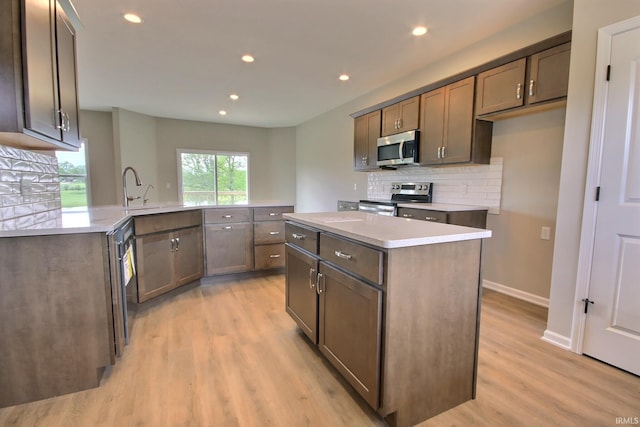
(234,97)
(343,77)
(133,18)
(222,113)
(248,58)
(419,31)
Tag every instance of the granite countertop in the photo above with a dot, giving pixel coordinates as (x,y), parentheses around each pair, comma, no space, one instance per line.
(385,231)
(105,219)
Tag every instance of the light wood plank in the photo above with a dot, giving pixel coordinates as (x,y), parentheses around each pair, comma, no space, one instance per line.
(227,354)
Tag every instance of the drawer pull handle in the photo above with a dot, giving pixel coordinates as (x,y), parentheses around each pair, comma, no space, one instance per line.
(228,227)
(319,280)
(227,216)
(431,218)
(274,233)
(273,214)
(407,216)
(342,255)
(298,236)
(274,256)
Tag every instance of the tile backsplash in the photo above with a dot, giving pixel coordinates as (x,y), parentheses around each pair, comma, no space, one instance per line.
(29,189)
(477,185)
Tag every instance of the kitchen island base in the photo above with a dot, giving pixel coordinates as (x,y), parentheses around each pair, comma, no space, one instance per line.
(417,355)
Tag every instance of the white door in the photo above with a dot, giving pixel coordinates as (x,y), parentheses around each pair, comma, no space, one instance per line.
(612,329)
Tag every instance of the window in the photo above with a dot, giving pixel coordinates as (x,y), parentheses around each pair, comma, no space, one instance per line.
(72,170)
(209,177)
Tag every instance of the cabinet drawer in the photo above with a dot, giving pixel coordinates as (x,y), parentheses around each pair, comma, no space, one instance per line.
(423,214)
(302,237)
(270,214)
(269,256)
(268,232)
(227,215)
(167,221)
(361,260)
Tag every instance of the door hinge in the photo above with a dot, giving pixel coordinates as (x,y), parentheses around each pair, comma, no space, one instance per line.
(608,72)
(597,194)
(586,302)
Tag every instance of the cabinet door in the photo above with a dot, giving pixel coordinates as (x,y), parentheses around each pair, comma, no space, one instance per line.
(549,74)
(301,299)
(365,141)
(229,248)
(41,91)
(401,117)
(501,87)
(156,267)
(67,79)
(269,256)
(189,256)
(350,328)
(458,121)
(432,122)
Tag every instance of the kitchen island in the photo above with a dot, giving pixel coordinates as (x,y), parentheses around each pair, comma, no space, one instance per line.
(392,303)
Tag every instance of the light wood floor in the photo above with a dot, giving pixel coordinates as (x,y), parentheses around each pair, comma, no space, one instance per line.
(227,354)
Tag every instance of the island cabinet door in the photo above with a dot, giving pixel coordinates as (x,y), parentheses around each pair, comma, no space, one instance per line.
(301,299)
(350,328)
(156,267)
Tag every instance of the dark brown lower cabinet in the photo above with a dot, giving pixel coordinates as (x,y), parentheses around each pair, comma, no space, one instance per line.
(168,260)
(229,248)
(301,298)
(350,329)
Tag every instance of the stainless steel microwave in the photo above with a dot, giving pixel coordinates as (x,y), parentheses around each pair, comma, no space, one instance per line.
(398,149)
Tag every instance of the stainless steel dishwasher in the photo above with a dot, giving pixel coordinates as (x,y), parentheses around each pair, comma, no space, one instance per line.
(123,281)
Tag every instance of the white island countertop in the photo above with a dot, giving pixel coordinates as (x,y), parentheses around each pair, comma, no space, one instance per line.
(105,219)
(386,231)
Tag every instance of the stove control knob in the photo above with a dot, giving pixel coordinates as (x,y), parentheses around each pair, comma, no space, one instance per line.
(420,187)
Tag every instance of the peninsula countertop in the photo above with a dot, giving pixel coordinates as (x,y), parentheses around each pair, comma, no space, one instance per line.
(386,231)
(105,219)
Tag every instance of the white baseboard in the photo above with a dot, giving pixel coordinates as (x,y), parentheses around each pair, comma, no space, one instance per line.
(516,293)
(557,340)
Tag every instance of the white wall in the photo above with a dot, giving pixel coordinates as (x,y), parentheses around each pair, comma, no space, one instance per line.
(134,145)
(97,127)
(588,16)
(271,154)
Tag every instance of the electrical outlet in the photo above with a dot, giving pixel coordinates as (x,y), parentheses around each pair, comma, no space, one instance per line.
(545,233)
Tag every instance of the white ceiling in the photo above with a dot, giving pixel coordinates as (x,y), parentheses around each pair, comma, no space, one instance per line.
(183,61)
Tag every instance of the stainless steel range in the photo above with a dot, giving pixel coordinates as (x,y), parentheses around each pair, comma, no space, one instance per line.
(401,192)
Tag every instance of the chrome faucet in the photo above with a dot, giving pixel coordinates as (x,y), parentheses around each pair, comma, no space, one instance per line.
(128,198)
(144,196)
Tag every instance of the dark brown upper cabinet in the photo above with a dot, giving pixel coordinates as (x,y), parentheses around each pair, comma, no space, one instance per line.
(539,78)
(38,76)
(365,147)
(401,117)
(449,131)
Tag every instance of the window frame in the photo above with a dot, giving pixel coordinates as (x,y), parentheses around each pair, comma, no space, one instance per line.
(179,153)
